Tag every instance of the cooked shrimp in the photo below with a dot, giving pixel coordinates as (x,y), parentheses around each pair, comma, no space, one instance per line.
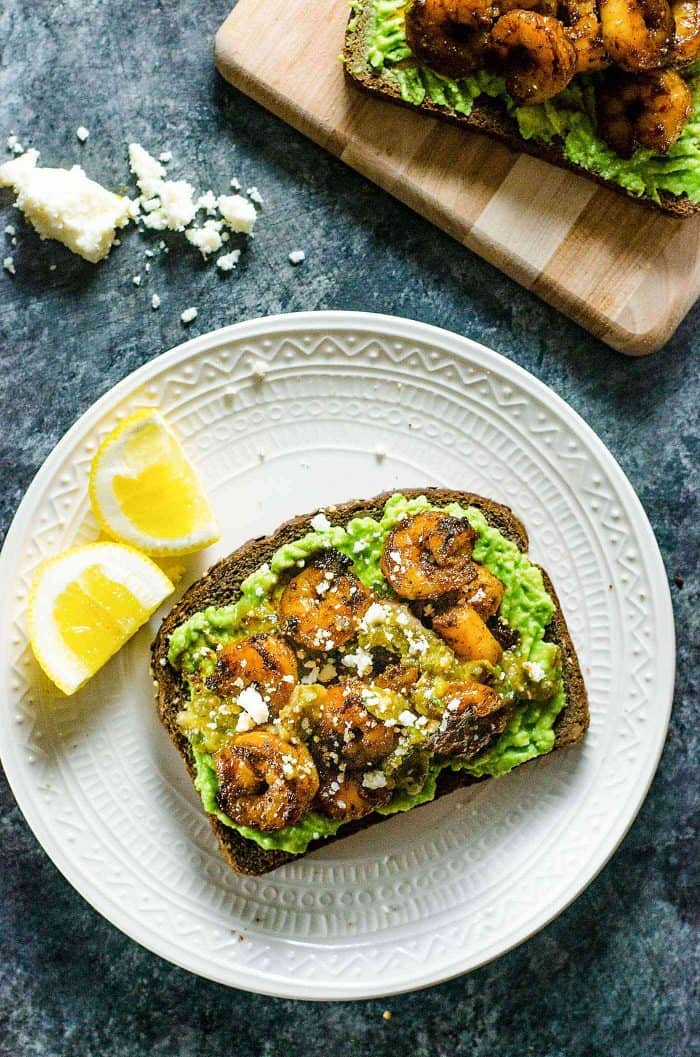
(450,36)
(463,629)
(345,797)
(637,34)
(322,606)
(484,593)
(264,781)
(538,58)
(474,715)
(398,677)
(345,732)
(645,110)
(428,554)
(685,46)
(263,661)
(543,7)
(585,32)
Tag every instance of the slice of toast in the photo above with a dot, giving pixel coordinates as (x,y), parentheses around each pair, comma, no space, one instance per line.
(487,116)
(221,586)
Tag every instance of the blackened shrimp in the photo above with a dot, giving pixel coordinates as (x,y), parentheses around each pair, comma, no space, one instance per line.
(264,781)
(484,593)
(450,36)
(685,46)
(637,34)
(263,661)
(323,605)
(345,732)
(644,110)
(584,30)
(345,796)
(474,716)
(459,624)
(428,554)
(535,53)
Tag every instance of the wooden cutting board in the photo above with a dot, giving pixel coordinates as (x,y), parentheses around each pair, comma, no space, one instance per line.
(626,273)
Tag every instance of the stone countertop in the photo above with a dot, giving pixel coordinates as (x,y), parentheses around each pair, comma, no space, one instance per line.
(613,975)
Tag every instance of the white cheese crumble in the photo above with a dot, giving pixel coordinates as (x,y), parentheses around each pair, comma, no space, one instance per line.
(165,156)
(245,723)
(188,315)
(155,301)
(82,133)
(374,780)
(136,280)
(64,204)
(8,264)
(207,239)
(10,229)
(165,204)
(228,261)
(320,523)
(259,370)
(255,195)
(376,614)
(14,145)
(251,701)
(235,184)
(208,201)
(238,213)
(361,661)
(297,256)
(535,671)
(407,718)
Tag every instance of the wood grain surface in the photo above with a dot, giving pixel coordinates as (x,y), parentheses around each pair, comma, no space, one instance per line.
(626,273)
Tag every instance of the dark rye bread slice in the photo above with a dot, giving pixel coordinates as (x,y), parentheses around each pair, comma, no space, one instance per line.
(220,586)
(488,116)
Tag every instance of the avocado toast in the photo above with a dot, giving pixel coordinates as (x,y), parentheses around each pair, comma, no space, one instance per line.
(564,129)
(359,661)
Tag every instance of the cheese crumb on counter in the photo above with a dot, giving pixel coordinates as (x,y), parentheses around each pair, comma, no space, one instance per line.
(66,205)
(238,212)
(82,133)
(188,315)
(206,238)
(155,301)
(14,144)
(255,195)
(136,280)
(165,204)
(297,256)
(228,261)
(8,264)
(165,156)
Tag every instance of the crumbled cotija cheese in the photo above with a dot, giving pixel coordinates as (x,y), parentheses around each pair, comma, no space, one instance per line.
(165,204)
(228,261)
(207,239)
(64,204)
(238,212)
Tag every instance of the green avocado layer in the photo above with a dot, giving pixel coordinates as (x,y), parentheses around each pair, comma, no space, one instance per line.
(568,117)
(526,606)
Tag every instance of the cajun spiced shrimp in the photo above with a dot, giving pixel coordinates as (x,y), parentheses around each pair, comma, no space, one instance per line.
(428,554)
(474,715)
(323,605)
(264,781)
(685,46)
(584,30)
(637,34)
(345,796)
(450,36)
(263,661)
(538,58)
(644,110)
(345,732)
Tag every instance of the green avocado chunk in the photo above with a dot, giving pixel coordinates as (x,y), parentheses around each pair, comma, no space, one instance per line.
(526,607)
(569,117)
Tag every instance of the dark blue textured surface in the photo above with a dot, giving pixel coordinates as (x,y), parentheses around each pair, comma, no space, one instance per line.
(615,974)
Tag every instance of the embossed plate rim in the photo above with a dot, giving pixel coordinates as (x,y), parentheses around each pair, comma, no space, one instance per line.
(467,351)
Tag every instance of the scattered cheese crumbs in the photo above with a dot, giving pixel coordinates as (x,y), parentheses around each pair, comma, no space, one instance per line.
(361,660)
(164,203)
(320,523)
(386,1015)
(245,723)
(259,370)
(228,261)
(155,301)
(148,253)
(376,614)
(380,453)
(207,238)
(188,315)
(208,201)
(374,780)
(235,184)
(535,671)
(238,213)
(251,701)
(64,204)
(10,230)
(165,156)
(14,144)
(52,267)
(82,133)
(136,280)
(8,264)
(297,256)
(255,195)
(407,718)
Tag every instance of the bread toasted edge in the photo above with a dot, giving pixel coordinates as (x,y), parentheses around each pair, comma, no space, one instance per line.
(487,116)
(220,586)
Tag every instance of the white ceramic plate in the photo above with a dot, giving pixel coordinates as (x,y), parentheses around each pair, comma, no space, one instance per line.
(422,896)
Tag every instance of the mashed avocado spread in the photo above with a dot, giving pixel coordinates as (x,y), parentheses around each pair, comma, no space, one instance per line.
(569,117)
(526,607)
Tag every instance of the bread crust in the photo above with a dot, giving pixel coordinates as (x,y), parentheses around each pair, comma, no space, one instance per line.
(221,586)
(488,117)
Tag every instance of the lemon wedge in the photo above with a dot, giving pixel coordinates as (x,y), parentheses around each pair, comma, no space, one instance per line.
(144,491)
(84,605)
